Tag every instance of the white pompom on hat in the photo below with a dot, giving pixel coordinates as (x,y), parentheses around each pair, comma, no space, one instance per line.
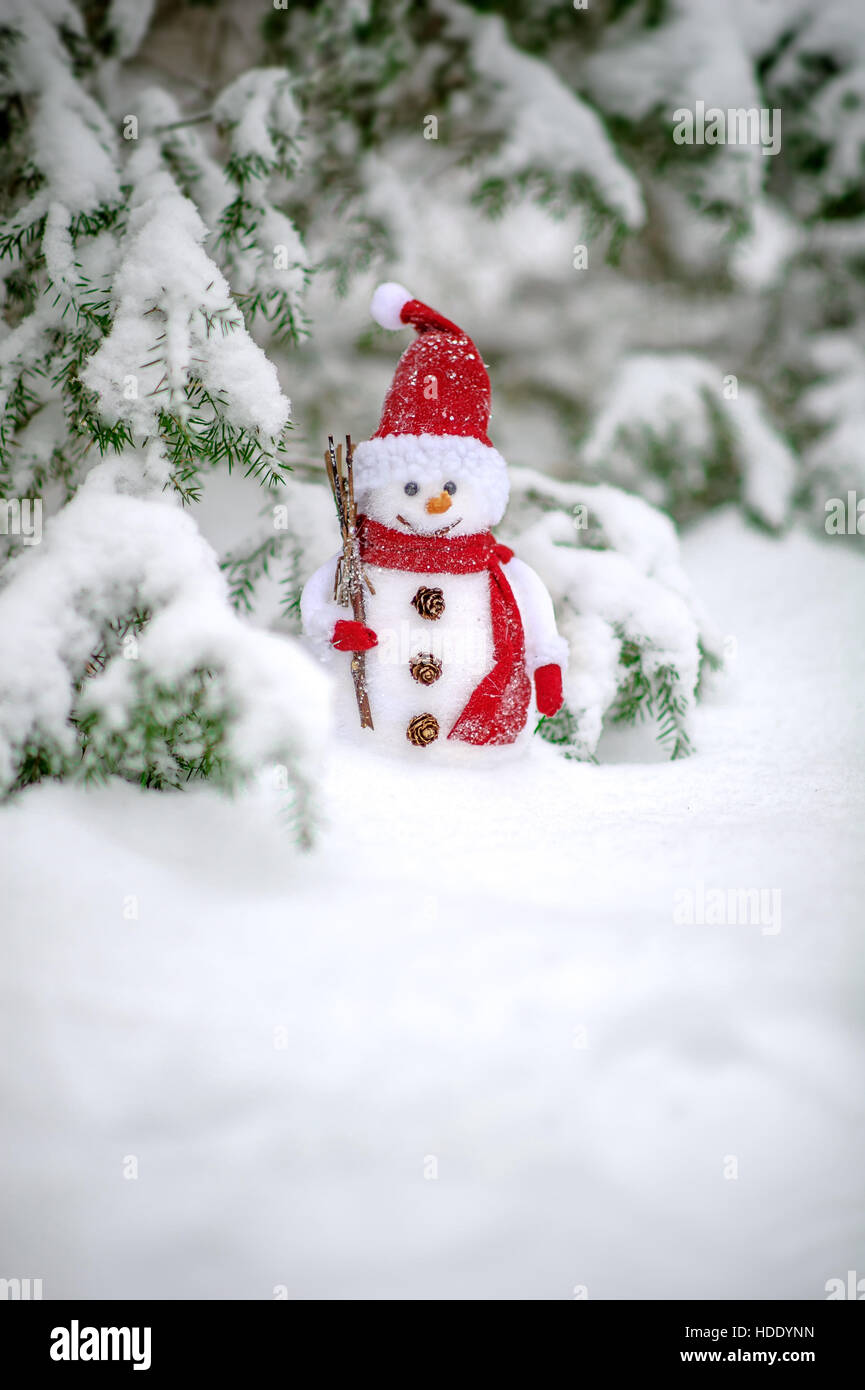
(388,303)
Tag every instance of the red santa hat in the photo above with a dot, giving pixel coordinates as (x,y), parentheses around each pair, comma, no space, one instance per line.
(436,413)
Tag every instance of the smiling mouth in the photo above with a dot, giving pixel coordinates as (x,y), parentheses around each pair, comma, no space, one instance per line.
(439,531)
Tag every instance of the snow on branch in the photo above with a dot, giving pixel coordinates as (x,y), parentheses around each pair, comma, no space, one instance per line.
(545,125)
(262,249)
(127,21)
(676,428)
(262,117)
(178,359)
(254,242)
(67,694)
(72,146)
(697,52)
(637,635)
(820,76)
(835,406)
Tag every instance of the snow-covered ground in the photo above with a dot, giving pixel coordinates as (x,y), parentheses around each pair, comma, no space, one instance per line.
(465,1049)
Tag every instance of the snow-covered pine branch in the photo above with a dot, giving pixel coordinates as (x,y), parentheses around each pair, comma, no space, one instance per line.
(61,191)
(675,427)
(265,258)
(834,409)
(543,136)
(62,145)
(178,362)
(122,655)
(637,635)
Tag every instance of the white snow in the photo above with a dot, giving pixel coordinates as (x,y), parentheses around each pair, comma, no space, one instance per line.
(74,145)
(759,259)
(612,564)
(836,404)
(767,463)
(675,402)
(105,553)
(475,973)
(129,21)
(276,264)
(547,124)
(699,53)
(256,105)
(166,285)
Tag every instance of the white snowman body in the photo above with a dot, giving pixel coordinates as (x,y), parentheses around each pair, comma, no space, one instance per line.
(427,665)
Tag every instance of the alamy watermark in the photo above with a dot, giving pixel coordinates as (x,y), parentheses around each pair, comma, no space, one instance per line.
(845,518)
(728,907)
(738,125)
(852,1288)
(465,648)
(77,1343)
(20,1290)
(21,516)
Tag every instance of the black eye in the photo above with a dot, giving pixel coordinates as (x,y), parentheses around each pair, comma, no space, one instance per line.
(451,488)
(411,489)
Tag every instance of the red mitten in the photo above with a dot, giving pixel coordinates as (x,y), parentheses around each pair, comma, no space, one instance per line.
(548,684)
(349,636)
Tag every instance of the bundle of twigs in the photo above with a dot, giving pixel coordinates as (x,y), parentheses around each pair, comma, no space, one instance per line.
(349,579)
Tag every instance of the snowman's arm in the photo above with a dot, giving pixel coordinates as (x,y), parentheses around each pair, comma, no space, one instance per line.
(319,611)
(544,646)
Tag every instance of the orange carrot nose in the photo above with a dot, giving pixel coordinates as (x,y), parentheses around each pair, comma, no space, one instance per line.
(440,503)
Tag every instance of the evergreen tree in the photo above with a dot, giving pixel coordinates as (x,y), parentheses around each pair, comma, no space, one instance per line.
(196,198)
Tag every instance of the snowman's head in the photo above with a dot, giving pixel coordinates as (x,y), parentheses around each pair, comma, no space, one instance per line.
(446,507)
(431,484)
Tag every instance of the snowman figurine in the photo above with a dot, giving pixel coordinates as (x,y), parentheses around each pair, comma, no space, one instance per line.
(460,636)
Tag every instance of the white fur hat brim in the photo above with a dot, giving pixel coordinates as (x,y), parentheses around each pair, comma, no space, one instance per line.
(432,458)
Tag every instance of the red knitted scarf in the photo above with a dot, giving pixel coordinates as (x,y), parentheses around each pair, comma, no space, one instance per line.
(497,708)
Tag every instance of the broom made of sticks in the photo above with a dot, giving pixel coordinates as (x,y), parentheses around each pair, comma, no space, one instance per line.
(349,579)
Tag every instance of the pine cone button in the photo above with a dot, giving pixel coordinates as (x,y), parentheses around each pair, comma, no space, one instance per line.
(423,729)
(425,668)
(430,603)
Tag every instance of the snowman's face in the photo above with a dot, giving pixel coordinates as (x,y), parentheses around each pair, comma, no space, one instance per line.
(430,507)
